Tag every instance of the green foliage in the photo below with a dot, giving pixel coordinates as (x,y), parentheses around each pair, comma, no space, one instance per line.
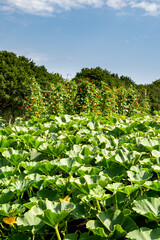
(80,177)
(98,75)
(144,234)
(154,95)
(16,74)
(33,103)
(73,98)
(149,95)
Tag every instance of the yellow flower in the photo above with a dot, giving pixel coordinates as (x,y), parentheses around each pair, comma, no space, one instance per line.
(9,220)
(65,199)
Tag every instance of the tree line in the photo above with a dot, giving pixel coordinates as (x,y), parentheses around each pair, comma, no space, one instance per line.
(17,72)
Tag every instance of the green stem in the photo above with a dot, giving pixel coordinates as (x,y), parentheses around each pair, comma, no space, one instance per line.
(66,227)
(141,191)
(33,238)
(116,201)
(57,232)
(3,227)
(98,206)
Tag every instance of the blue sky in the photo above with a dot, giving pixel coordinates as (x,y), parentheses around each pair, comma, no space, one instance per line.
(122,36)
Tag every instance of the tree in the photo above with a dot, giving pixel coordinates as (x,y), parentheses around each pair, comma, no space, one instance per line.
(127,81)
(16,74)
(154,95)
(98,75)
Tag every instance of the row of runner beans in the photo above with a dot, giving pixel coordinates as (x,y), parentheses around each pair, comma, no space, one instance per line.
(84,97)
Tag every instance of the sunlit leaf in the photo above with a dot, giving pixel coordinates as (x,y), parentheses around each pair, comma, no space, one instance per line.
(155,185)
(15,156)
(155,153)
(137,174)
(149,207)
(10,210)
(53,213)
(116,222)
(97,228)
(144,234)
(29,222)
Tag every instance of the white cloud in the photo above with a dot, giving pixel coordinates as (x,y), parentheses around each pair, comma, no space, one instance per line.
(117,4)
(152,8)
(48,7)
(32,6)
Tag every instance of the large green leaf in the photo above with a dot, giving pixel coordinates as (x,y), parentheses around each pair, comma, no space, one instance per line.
(125,156)
(55,150)
(35,155)
(5,143)
(20,129)
(32,140)
(117,131)
(10,210)
(51,218)
(149,143)
(115,173)
(88,171)
(15,156)
(97,193)
(87,150)
(42,167)
(154,185)
(97,228)
(138,175)
(144,234)
(8,171)
(63,120)
(149,207)
(156,168)
(103,139)
(72,139)
(81,211)
(155,153)
(20,186)
(54,212)
(119,187)
(117,223)
(69,165)
(51,195)
(29,222)
(29,219)
(87,182)
(114,187)
(5,196)
(50,181)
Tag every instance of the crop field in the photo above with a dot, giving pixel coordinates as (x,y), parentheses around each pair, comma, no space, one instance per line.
(80,178)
